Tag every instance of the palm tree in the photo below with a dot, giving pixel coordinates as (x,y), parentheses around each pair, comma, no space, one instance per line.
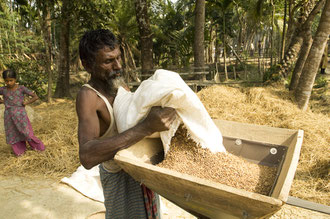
(305,85)
(304,24)
(63,83)
(142,17)
(307,43)
(45,14)
(199,34)
(125,27)
(173,34)
(305,33)
(221,20)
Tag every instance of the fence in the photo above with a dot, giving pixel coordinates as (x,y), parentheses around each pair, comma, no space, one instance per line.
(210,74)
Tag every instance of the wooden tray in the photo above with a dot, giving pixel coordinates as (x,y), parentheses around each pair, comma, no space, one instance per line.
(260,144)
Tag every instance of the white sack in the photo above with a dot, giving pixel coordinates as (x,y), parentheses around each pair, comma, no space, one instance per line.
(86,182)
(167,89)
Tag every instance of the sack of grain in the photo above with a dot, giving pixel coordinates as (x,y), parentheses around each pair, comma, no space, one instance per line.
(167,89)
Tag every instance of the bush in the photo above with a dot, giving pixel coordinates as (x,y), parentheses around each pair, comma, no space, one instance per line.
(31,75)
(320,82)
(272,74)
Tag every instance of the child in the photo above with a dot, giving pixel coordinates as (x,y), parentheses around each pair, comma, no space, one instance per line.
(17,124)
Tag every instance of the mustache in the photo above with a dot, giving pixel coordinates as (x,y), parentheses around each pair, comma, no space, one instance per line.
(114,74)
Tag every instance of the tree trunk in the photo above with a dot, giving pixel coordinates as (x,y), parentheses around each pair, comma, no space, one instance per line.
(291,26)
(199,35)
(296,42)
(224,47)
(129,63)
(210,46)
(291,54)
(8,45)
(240,32)
(284,31)
(1,47)
(301,60)
(63,81)
(13,27)
(216,55)
(46,33)
(272,35)
(305,85)
(141,10)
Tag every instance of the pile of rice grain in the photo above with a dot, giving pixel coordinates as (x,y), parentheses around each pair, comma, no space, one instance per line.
(186,157)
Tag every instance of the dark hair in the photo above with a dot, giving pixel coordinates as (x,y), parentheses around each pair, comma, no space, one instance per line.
(94,40)
(8,74)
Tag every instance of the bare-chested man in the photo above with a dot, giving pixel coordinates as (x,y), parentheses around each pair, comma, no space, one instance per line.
(99,140)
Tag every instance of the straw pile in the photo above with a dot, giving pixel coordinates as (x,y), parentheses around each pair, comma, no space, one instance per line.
(186,157)
(56,125)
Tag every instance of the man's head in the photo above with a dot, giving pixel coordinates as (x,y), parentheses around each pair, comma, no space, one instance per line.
(100,55)
(94,40)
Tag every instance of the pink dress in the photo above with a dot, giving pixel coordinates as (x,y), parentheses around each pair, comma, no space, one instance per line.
(17,124)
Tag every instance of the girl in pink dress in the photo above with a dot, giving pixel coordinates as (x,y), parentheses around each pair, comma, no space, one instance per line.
(17,124)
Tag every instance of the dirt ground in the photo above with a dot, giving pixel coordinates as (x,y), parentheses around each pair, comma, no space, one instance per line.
(48,199)
(22,198)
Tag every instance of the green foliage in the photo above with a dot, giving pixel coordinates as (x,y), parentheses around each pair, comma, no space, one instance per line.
(15,38)
(287,80)
(31,75)
(220,11)
(179,42)
(172,26)
(320,82)
(173,33)
(272,74)
(20,48)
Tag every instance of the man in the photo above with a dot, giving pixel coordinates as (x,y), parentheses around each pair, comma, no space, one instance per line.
(98,138)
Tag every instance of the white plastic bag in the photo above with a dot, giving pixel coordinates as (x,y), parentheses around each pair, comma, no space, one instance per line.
(167,89)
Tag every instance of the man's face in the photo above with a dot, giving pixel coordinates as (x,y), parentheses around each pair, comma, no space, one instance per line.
(107,64)
(107,68)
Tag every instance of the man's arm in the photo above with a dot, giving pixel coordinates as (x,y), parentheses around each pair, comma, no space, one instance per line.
(93,151)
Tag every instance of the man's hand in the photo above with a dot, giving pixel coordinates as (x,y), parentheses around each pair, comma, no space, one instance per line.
(160,119)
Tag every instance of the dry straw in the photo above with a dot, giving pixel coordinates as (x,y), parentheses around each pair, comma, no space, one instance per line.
(273,106)
(56,125)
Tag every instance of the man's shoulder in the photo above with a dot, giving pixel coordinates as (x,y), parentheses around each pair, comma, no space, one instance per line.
(86,101)
(89,98)
(86,94)
(84,90)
